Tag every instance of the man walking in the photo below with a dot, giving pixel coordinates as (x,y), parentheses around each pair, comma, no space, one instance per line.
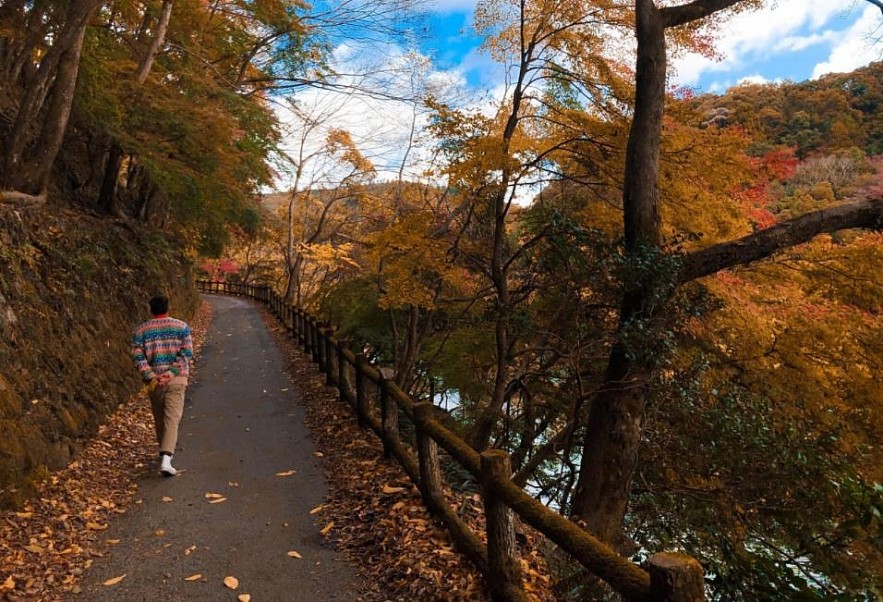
(161,350)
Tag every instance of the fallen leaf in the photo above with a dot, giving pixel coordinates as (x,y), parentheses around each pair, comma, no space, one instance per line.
(317,509)
(189,550)
(231,582)
(319,454)
(294,554)
(389,489)
(115,580)
(213,496)
(159,532)
(234,484)
(24,514)
(287,473)
(8,584)
(195,577)
(34,549)
(95,526)
(166,498)
(218,500)
(112,541)
(327,528)
(243,598)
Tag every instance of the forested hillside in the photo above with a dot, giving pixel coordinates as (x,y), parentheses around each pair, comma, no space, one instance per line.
(666,307)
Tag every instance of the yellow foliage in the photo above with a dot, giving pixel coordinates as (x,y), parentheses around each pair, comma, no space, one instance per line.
(410,260)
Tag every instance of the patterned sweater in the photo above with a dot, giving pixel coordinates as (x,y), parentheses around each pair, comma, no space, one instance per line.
(160,345)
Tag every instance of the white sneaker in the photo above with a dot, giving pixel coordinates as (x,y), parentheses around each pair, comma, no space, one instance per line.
(166,468)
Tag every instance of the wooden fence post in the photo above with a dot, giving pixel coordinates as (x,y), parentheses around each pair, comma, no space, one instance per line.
(427,454)
(330,355)
(308,335)
(363,409)
(343,384)
(504,571)
(675,577)
(389,413)
(319,345)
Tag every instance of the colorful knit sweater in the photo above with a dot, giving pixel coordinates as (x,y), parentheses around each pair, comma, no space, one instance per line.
(160,345)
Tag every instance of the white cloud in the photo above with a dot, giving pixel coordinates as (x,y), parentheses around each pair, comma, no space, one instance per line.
(757,78)
(854,46)
(786,26)
(380,125)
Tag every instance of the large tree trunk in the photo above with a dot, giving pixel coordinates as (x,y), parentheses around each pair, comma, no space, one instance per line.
(613,433)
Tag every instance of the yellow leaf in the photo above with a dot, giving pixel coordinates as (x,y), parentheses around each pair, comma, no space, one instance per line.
(115,580)
(159,532)
(24,514)
(189,550)
(166,498)
(231,582)
(34,549)
(243,598)
(389,489)
(327,528)
(294,554)
(112,541)
(287,473)
(317,509)
(195,577)
(218,500)
(319,454)
(8,584)
(213,496)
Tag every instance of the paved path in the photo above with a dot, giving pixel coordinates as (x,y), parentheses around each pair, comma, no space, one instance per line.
(242,426)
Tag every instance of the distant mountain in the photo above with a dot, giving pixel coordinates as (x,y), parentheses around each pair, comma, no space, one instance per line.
(837,111)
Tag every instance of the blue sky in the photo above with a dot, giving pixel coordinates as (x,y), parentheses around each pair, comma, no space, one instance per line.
(794,40)
(791,40)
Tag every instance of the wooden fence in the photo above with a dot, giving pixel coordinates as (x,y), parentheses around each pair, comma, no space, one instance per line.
(669,576)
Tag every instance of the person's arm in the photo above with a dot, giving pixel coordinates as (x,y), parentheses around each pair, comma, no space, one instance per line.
(185,354)
(139,358)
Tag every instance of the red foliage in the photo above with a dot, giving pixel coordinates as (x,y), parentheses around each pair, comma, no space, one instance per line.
(219,269)
(779,164)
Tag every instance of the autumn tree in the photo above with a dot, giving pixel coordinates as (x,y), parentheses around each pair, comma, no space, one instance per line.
(614,427)
(47,87)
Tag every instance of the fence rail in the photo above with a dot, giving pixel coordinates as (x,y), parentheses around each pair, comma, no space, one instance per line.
(669,577)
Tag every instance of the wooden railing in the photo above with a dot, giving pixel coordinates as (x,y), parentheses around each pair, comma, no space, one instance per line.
(669,576)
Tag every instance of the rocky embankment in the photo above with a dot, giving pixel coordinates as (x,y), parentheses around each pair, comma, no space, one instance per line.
(71,288)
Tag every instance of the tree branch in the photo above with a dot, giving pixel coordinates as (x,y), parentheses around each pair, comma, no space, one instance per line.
(672,16)
(877,3)
(762,244)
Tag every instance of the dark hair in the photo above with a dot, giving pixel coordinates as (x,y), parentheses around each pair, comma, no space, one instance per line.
(159,305)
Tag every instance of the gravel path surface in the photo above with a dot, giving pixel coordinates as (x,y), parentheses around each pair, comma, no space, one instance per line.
(241,503)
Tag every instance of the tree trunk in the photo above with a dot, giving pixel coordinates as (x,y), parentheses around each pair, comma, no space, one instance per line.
(613,432)
(108,199)
(155,44)
(58,113)
(66,49)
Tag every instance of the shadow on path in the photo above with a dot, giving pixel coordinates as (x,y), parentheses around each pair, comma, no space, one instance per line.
(242,427)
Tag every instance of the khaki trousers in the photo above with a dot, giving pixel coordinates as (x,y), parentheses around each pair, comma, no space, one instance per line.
(167,404)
